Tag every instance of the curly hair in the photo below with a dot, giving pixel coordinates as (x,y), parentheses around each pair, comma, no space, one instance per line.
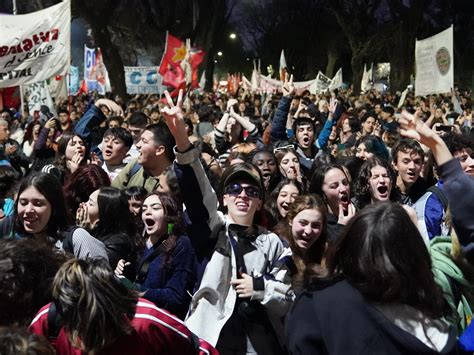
(362,184)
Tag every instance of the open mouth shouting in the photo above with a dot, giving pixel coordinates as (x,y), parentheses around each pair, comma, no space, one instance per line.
(411,175)
(344,198)
(382,193)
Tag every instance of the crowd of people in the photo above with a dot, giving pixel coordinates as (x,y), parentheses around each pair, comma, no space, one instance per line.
(238,223)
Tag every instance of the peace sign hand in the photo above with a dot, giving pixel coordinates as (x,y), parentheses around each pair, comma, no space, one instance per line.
(174,118)
(288,87)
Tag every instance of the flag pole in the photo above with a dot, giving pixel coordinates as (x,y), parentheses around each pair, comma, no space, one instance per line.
(15,11)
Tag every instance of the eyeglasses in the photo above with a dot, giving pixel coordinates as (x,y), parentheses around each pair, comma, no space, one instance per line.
(289,147)
(236,189)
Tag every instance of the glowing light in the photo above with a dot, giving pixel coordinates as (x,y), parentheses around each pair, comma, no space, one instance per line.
(219,54)
(232,36)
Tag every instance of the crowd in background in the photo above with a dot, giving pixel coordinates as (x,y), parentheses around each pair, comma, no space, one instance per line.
(250,223)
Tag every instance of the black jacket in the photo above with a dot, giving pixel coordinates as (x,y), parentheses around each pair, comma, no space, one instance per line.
(335,319)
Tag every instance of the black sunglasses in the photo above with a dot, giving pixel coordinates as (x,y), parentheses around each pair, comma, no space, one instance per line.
(236,189)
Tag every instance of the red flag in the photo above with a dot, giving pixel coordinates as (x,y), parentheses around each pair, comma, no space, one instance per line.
(82,88)
(170,69)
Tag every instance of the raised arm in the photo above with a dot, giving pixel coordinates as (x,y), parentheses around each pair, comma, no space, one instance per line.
(278,131)
(198,196)
(457,186)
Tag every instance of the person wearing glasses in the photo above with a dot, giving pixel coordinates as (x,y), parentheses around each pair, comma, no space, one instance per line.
(243,290)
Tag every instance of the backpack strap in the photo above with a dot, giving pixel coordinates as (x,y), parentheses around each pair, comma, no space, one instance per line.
(137,166)
(68,245)
(143,269)
(54,322)
(440,195)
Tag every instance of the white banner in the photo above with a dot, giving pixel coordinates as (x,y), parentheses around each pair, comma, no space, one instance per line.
(366,83)
(36,46)
(435,64)
(320,84)
(336,82)
(143,80)
(58,88)
(38,95)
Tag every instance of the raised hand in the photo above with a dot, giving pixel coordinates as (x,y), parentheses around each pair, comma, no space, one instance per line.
(113,107)
(351,211)
(76,160)
(411,126)
(288,87)
(83,219)
(174,118)
(332,105)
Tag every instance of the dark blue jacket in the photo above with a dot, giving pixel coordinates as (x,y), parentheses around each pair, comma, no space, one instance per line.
(168,286)
(459,190)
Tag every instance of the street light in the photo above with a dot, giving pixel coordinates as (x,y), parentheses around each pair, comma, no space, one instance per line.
(232,36)
(219,54)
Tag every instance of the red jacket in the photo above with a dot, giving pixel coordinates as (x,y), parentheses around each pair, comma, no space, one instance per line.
(156,332)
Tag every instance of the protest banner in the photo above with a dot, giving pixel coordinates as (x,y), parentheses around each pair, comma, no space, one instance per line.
(35,46)
(100,73)
(367,79)
(89,71)
(336,82)
(57,87)
(73,80)
(435,64)
(320,84)
(143,80)
(38,95)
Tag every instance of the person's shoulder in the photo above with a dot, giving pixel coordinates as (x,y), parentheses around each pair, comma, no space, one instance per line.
(332,293)
(147,314)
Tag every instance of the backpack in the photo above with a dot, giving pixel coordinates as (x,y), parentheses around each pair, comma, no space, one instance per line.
(457,290)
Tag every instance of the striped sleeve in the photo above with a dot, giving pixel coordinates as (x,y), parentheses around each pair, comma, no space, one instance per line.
(86,246)
(162,330)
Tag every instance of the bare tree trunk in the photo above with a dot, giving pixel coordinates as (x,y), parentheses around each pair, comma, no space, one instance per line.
(333,57)
(113,59)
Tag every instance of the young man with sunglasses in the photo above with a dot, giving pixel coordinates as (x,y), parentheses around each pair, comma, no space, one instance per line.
(244,287)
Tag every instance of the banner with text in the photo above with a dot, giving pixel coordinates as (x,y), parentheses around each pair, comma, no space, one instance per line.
(89,68)
(435,64)
(143,80)
(36,46)
(38,95)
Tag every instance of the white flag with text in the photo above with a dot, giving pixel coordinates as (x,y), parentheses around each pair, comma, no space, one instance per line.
(35,46)
(435,64)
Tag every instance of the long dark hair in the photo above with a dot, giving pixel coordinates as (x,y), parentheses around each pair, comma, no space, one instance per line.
(174,221)
(317,180)
(115,216)
(382,254)
(50,187)
(95,308)
(60,160)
